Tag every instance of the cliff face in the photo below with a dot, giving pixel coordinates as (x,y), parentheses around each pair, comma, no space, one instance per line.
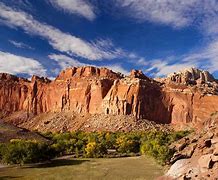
(78,89)
(17,94)
(190,107)
(13,92)
(191,76)
(192,93)
(189,96)
(138,97)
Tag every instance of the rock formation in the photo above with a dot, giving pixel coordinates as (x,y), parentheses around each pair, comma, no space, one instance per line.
(190,96)
(191,76)
(9,132)
(193,95)
(196,156)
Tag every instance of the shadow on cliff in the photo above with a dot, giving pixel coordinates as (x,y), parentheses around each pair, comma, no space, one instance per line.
(154,104)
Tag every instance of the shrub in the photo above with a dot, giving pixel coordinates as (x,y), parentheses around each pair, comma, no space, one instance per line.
(125,144)
(91,149)
(179,134)
(156,144)
(94,149)
(2,149)
(95,144)
(21,151)
(160,152)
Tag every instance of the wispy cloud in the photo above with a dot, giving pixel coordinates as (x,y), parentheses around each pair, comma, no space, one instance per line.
(99,49)
(20,45)
(200,14)
(170,12)
(63,42)
(160,67)
(65,61)
(11,63)
(117,68)
(205,58)
(78,7)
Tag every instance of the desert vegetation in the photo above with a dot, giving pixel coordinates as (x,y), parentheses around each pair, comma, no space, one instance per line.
(25,151)
(91,145)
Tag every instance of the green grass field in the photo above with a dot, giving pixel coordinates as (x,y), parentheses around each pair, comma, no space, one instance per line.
(91,169)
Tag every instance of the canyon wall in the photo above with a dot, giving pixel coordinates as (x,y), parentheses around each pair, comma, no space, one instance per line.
(184,97)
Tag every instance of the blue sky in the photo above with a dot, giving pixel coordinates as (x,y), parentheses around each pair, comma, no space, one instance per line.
(157,36)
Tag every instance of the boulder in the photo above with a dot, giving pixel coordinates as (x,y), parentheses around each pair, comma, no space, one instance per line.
(210,135)
(214,158)
(215,152)
(179,168)
(184,154)
(214,140)
(207,151)
(207,143)
(205,162)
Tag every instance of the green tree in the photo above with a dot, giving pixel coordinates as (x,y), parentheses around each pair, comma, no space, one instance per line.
(21,151)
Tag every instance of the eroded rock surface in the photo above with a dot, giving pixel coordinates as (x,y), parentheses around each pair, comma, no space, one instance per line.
(191,76)
(186,97)
(198,158)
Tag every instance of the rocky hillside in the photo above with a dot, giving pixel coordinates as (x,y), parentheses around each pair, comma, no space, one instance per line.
(9,132)
(196,156)
(69,121)
(190,96)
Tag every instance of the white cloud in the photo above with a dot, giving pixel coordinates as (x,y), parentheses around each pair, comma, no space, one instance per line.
(205,58)
(137,60)
(118,68)
(163,67)
(79,7)
(20,45)
(142,62)
(65,61)
(171,12)
(13,64)
(59,40)
(201,14)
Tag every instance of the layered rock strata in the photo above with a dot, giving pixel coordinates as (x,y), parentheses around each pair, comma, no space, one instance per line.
(188,96)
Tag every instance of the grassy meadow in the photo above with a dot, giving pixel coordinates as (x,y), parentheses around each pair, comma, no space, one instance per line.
(141,167)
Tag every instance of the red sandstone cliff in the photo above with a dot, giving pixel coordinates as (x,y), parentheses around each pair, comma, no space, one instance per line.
(192,93)
(188,96)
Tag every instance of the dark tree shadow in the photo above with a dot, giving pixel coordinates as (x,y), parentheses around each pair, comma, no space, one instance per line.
(9,177)
(58,162)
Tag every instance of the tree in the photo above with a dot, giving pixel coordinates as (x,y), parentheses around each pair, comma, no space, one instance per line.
(94,149)
(91,149)
(126,144)
(21,152)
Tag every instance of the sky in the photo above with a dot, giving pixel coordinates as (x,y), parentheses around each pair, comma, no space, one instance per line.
(42,37)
